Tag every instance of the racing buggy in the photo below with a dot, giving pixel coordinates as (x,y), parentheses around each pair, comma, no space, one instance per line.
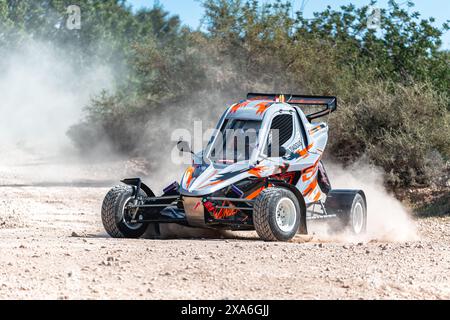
(261,170)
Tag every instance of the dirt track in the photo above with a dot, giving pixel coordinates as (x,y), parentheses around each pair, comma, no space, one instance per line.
(53,246)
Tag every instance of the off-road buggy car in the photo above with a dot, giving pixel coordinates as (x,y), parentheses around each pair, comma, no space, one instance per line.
(261,170)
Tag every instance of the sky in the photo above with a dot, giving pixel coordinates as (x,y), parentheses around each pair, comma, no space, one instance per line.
(190,11)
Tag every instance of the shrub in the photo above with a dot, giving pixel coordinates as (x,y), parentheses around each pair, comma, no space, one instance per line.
(392,85)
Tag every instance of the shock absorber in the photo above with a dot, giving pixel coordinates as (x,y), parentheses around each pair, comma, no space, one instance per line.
(237,191)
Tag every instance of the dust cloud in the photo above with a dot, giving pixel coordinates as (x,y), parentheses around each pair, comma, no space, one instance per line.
(387,219)
(43,94)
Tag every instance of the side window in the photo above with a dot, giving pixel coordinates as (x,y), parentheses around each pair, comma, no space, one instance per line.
(281,131)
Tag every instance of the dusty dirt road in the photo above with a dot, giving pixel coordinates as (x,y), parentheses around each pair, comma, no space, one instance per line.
(52,246)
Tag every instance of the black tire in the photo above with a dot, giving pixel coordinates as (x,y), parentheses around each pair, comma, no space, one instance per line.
(113,215)
(265,215)
(346,221)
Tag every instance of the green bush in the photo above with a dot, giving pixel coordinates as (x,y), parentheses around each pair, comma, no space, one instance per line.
(403,129)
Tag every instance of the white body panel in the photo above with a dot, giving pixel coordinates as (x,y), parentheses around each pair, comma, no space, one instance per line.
(306,147)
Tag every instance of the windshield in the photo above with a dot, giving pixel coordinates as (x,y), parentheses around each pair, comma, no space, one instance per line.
(236,141)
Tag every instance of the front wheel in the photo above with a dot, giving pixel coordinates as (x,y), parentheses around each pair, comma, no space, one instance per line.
(117,218)
(276,215)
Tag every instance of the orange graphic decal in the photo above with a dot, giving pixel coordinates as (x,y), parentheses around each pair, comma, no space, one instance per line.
(310,172)
(189,175)
(316,129)
(305,151)
(285,177)
(257,171)
(254,194)
(238,106)
(225,213)
(308,101)
(310,188)
(212,184)
(262,107)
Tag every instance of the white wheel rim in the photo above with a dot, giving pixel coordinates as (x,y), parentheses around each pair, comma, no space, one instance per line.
(132,226)
(358,218)
(286,215)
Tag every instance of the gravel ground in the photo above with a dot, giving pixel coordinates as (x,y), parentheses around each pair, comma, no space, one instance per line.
(53,246)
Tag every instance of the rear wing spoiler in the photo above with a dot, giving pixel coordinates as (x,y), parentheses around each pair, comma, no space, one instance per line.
(330,103)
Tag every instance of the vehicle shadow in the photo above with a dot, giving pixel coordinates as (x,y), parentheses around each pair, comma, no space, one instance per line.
(176,232)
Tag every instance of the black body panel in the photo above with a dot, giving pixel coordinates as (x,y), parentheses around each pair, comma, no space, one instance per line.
(341,200)
(329,102)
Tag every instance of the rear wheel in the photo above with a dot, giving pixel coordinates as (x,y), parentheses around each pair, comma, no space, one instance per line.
(276,215)
(117,218)
(355,219)
(358,216)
